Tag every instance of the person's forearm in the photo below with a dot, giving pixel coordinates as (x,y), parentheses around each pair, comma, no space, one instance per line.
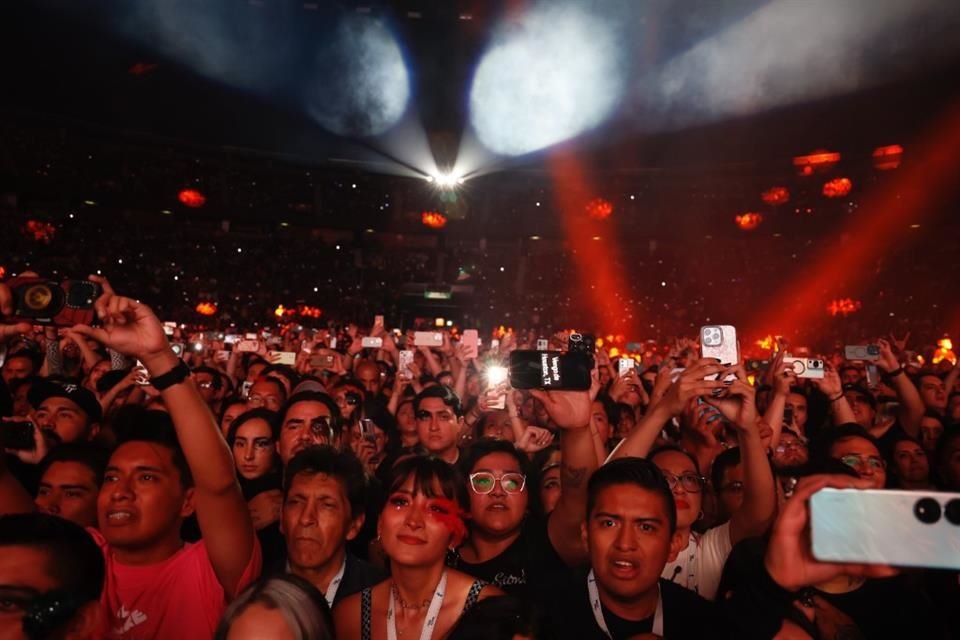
(89,356)
(774,417)
(518,425)
(432,362)
(759,492)
(206,452)
(641,439)
(460,383)
(911,404)
(950,382)
(841,411)
(577,462)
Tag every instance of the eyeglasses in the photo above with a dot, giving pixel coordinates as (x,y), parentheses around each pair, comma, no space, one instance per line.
(792,446)
(690,481)
(855,460)
(734,487)
(483,482)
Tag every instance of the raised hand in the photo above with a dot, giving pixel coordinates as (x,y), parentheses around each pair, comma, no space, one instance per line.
(535,439)
(789,558)
(739,405)
(567,409)
(691,384)
(128,326)
(887,360)
(900,345)
(830,385)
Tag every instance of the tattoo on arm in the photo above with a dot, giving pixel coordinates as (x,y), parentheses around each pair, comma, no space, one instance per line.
(573,477)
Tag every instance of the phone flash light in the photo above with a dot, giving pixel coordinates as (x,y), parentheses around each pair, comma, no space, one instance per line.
(496,375)
(198,346)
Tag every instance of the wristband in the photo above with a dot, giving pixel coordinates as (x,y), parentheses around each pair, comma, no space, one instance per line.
(837,398)
(893,374)
(175,376)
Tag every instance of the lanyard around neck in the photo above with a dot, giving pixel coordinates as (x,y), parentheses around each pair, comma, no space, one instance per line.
(433,612)
(598,611)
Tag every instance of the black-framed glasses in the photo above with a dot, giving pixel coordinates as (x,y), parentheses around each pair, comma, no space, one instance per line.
(854,460)
(690,481)
(483,482)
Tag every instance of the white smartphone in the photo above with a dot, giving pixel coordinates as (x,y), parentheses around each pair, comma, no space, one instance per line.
(720,341)
(805,367)
(247,346)
(625,366)
(427,339)
(543,344)
(885,526)
(282,357)
(404,361)
(470,341)
(370,342)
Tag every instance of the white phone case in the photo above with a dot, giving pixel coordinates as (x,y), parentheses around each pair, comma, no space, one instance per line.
(880,526)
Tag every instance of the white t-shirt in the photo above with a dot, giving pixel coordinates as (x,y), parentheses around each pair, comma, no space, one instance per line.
(698,567)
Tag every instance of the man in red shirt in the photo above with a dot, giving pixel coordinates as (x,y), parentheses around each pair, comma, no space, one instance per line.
(156,585)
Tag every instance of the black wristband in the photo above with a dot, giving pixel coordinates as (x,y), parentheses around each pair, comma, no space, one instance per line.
(893,374)
(837,398)
(175,376)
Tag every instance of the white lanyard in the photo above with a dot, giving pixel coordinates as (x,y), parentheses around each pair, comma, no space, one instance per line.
(433,612)
(331,593)
(598,612)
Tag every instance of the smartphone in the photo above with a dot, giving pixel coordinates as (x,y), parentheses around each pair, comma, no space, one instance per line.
(625,366)
(333,342)
(470,341)
(49,302)
(427,339)
(18,436)
(367,430)
(378,321)
(582,343)
(720,341)
(142,378)
(886,526)
(873,376)
(788,416)
(245,389)
(404,361)
(865,352)
(177,348)
(221,356)
(543,344)
(370,342)
(251,336)
(282,357)
(552,370)
(495,345)
(231,338)
(247,346)
(805,367)
(169,328)
(322,360)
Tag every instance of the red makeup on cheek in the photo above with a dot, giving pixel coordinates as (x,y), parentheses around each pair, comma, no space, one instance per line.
(451,516)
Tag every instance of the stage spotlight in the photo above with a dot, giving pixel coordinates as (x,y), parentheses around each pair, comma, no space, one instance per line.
(445,180)
(549,76)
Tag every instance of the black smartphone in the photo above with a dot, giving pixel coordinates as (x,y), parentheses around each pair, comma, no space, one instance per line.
(18,436)
(550,370)
(788,416)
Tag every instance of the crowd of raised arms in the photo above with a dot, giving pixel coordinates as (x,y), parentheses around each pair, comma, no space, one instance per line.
(212,493)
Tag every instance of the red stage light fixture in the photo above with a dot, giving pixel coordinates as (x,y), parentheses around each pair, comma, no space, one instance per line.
(191,198)
(816,161)
(599,209)
(206,308)
(837,188)
(888,157)
(776,195)
(749,221)
(433,219)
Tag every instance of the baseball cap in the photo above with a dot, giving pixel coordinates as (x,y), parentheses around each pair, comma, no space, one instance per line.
(41,390)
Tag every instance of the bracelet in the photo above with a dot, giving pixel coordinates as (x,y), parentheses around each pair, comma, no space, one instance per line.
(175,376)
(893,374)
(837,398)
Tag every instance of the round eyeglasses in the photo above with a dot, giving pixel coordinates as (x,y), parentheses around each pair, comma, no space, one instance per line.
(483,482)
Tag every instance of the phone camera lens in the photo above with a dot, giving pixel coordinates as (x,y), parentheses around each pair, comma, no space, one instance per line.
(927,510)
(952,512)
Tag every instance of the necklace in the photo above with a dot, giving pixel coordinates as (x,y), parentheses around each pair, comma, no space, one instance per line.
(432,612)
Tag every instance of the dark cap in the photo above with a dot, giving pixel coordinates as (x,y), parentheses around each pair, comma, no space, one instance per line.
(860,390)
(43,389)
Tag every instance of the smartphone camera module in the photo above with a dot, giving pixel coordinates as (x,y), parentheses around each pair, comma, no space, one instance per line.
(952,512)
(711,337)
(927,510)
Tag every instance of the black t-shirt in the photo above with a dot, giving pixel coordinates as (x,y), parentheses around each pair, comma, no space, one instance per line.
(522,566)
(567,613)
